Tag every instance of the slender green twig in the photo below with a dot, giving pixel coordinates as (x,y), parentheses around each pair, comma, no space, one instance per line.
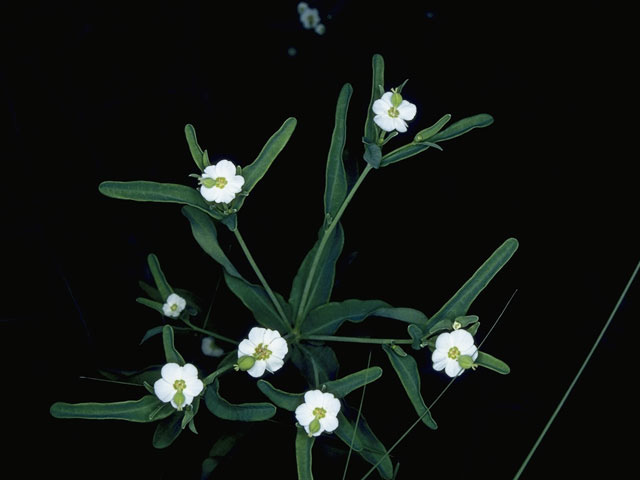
(213,299)
(575,379)
(210,333)
(377,341)
(263,281)
(111,381)
(325,236)
(355,427)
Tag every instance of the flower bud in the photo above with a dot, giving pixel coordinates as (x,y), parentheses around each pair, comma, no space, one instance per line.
(245,363)
(466,362)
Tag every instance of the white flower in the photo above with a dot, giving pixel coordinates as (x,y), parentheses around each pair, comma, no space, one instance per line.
(302,6)
(266,347)
(219,182)
(310,18)
(320,29)
(391,112)
(209,347)
(174,306)
(318,413)
(450,346)
(178,385)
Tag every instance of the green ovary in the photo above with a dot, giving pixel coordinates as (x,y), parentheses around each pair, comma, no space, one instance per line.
(454,353)
(261,352)
(219,182)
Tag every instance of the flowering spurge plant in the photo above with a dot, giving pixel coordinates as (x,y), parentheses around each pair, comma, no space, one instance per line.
(297,331)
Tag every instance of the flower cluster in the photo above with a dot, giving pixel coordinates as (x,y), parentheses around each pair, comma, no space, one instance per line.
(178,385)
(264,349)
(318,413)
(310,18)
(455,352)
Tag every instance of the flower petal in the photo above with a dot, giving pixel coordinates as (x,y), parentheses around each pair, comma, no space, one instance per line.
(163,390)
(440,364)
(210,194)
(407,110)
(246,347)
(256,335)
(385,122)
(331,405)
(380,107)
(189,372)
(274,363)
(210,172)
(171,372)
(329,423)
(278,347)
(226,169)
(270,335)
(443,342)
(258,369)
(315,398)
(438,356)
(400,125)
(194,387)
(187,399)
(453,368)
(304,414)
(461,339)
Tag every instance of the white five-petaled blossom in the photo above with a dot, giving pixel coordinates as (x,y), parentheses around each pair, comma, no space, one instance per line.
(219,182)
(209,347)
(392,112)
(178,385)
(309,17)
(264,350)
(174,305)
(450,346)
(318,413)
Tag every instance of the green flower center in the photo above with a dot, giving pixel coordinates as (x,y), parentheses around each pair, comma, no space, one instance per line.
(174,307)
(262,352)
(319,412)
(393,112)
(179,385)
(454,353)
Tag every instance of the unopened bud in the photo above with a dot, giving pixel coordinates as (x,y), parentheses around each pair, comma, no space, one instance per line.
(245,363)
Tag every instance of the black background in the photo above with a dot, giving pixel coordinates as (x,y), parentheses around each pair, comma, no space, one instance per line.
(102,91)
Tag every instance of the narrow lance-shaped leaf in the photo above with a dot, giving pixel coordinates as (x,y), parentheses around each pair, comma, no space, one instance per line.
(157,306)
(168,430)
(377,81)
(256,170)
(406,151)
(321,284)
(429,132)
(304,443)
(171,354)
(151,292)
(336,178)
(158,276)
(205,233)
(345,385)
(409,376)
(327,318)
(459,304)
(141,411)
(194,148)
(317,363)
(282,399)
(463,126)
(144,191)
(492,363)
(243,412)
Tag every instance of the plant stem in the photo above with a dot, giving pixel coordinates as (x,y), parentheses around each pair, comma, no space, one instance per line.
(210,333)
(263,281)
(377,341)
(584,364)
(327,233)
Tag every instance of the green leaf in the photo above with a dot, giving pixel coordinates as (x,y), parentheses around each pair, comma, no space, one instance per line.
(139,377)
(243,412)
(416,333)
(404,314)
(256,299)
(429,132)
(158,276)
(282,399)
(144,191)
(345,385)
(194,148)
(409,376)
(406,151)
(157,306)
(256,170)
(190,412)
(317,363)
(327,318)
(138,411)
(463,126)
(372,154)
(492,363)
(459,304)
(151,292)
(171,354)
(377,80)
(168,430)
(304,443)
(205,233)
(336,178)
(322,283)
(371,449)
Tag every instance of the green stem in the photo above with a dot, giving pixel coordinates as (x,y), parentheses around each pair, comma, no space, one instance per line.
(327,233)
(377,341)
(584,364)
(212,376)
(210,333)
(263,281)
